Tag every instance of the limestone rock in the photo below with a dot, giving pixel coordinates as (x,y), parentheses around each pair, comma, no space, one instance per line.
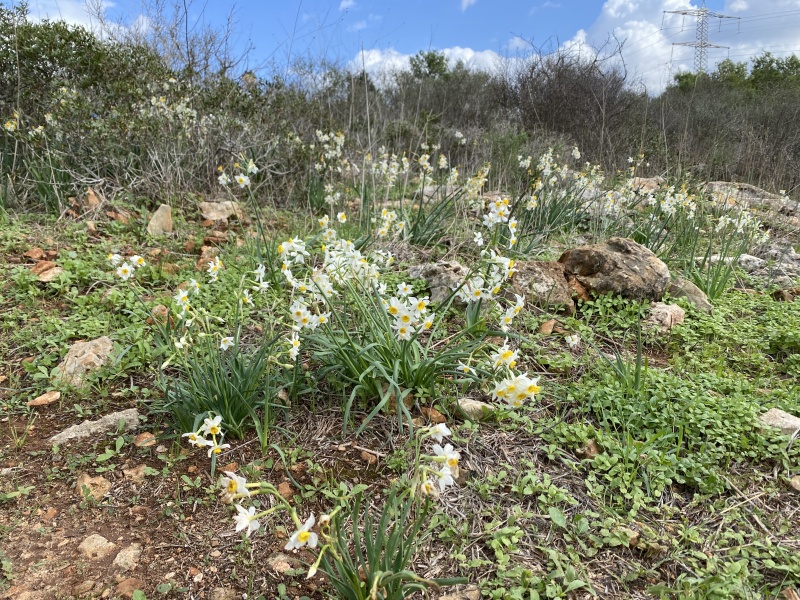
(96,547)
(442,277)
(475,409)
(779,419)
(82,358)
(127,558)
(665,316)
(544,283)
(683,288)
(221,211)
(127,587)
(46,398)
(99,427)
(223,594)
(647,184)
(161,221)
(619,266)
(97,486)
(470,592)
(280,563)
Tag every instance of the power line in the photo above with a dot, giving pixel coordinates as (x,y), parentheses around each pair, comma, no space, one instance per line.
(701,43)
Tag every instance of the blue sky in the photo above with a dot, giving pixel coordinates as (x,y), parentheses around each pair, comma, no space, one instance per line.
(382,34)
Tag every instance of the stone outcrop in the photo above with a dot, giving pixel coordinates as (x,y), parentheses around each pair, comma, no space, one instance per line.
(683,288)
(161,221)
(544,284)
(221,211)
(83,358)
(619,266)
(442,277)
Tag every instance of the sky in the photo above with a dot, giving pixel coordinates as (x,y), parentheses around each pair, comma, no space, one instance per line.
(383,34)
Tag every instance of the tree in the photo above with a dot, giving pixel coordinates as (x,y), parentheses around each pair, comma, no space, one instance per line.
(429,65)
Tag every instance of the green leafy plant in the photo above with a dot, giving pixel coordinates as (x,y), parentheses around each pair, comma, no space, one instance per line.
(361,349)
(373,549)
(229,383)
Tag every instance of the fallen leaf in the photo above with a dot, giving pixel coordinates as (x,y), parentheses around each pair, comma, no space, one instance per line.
(42,266)
(35,253)
(368,457)
(144,440)
(433,415)
(546,328)
(285,490)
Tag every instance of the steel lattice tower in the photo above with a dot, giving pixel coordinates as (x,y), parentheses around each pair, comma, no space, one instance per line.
(701,43)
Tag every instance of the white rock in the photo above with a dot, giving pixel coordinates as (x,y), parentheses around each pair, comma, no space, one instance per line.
(82,358)
(775,417)
(220,211)
(99,427)
(128,557)
(666,316)
(96,547)
(475,409)
(161,221)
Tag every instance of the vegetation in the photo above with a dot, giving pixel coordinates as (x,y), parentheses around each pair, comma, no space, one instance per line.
(303,384)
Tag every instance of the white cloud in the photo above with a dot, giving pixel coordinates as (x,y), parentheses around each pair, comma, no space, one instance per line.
(357,26)
(379,62)
(517,44)
(465,4)
(72,11)
(649,34)
(345,4)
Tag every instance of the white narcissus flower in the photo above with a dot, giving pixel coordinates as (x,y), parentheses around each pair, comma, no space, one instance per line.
(252,169)
(114,259)
(303,536)
(181,298)
(341,217)
(246,297)
(404,332)
(194,286)
(211,426)
(466,369)
(181,343)
(125,271)
(439,432)
(428,488)
(234,484)
(226,343)
(216,448)
(137,261)
(445,478)
(243,180)
(245,519)
(449,456)
(224,180)
(573,341)
(196,439)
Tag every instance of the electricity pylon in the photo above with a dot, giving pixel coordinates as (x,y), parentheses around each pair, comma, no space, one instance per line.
(701,43)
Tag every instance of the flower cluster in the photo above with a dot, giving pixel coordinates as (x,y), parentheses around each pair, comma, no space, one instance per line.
(212,426)
(388,167)
(516,389)
(410,313)
(242,178)
(126,268)
(440,470)
(390,224)
(478,287)
(332,156)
